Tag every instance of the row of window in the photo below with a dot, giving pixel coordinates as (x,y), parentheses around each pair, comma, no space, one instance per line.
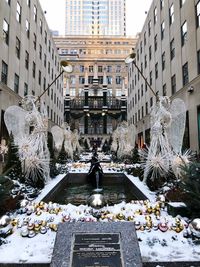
(109,79)
(18,45)
(95,42)
(27,25)
(4,78)
(185,74)
(117,68)
(118,92)
(184,29)
(94,51)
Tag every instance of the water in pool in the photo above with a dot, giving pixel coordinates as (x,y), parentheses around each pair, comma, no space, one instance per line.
(78,194)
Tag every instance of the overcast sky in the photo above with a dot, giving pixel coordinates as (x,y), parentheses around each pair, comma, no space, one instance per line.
(135,14)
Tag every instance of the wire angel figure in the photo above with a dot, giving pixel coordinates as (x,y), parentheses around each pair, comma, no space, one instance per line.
(61,135)
(167,130)
(29,128)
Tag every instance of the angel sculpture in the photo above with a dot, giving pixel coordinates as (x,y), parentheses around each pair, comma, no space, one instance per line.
(61,135)
(123,139)
(29,128)
(75,142)
(167,131)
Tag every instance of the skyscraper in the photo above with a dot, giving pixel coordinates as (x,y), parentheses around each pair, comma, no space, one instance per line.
(97,17)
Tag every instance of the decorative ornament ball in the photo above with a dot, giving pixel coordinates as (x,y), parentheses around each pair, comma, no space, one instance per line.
(195,227)
(96,201)
(4,220)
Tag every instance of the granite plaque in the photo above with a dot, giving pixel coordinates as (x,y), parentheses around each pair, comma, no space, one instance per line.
(96,244)
(96,250)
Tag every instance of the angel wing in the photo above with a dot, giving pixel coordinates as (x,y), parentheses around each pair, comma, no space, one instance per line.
(15,120)
(58,136)
(176,129)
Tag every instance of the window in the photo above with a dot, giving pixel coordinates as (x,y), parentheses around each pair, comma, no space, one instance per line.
(173,84)
(100,78)
(27,28)
(118,79)
(151,101)
(155,15)
(150,78)
(40,52)
(141,47)
(72,92)
(149,27)
(172,49)
(81,79)
(6,31)
(35,13)
(118,68)
(185,74)
(109,79)
(109,68)
(142,111)
(44,83)
(182,2)
(161,4)
(156,70)
(4,72)
(171,14)
(82,68)
(163,60)
(146,107)
(49,46)
(18,13)
(90,79)
(145,39)
(100,68)
(91,69)
(45,60)
(49,67)
(184,33)
(45,37)
(41,26)
(34,41)
(164,89)
(26,60)
(162,30)
(198,14)
(25,89)
(16,84)
(142,90)
(198,61)
(145,61)
(17,47)
(39,77)
(33,69)
(150,52)
(72,79)
(155,42)
(28,3)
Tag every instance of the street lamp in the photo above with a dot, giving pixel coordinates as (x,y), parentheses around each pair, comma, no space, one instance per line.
(66,67)
(131,59)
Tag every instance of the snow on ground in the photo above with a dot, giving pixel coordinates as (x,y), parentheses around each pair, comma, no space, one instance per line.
(155,245)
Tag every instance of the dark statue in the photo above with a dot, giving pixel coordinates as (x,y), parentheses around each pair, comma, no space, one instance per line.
(95,174)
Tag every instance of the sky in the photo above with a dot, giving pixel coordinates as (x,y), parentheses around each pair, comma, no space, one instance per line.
(55,14)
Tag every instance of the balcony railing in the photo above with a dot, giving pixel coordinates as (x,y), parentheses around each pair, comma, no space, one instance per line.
(95,103)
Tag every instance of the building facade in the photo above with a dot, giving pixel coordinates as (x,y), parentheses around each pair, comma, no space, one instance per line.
(168,54)
(29,60)
(96,90)
(95,17)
